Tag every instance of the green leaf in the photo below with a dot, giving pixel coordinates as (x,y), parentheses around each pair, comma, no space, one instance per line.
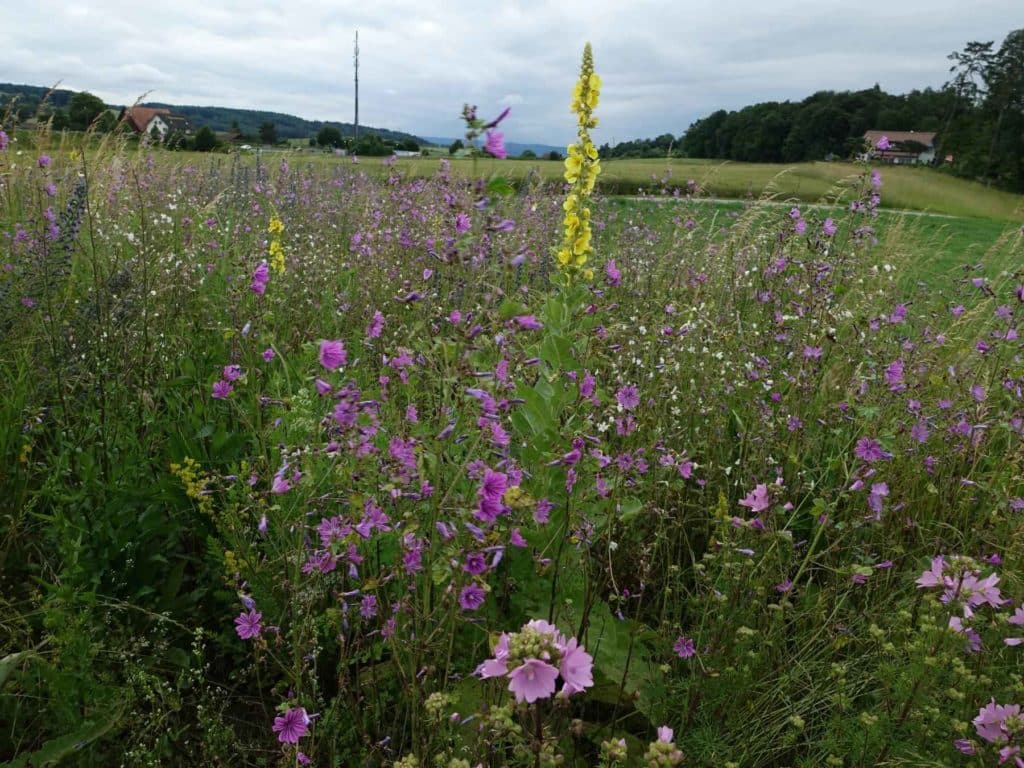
(55,750)
(499,185)
(8,663)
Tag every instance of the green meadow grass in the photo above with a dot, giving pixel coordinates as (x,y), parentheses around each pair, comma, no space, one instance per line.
(916,189)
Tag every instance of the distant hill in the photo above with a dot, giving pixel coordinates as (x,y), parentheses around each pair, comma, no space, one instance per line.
(515,149)
(217,118)
(288,126)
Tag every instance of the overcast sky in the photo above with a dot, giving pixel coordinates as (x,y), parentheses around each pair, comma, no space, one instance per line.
(663,63)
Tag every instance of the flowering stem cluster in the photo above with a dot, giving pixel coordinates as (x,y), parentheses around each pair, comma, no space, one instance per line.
(582,167)
(276,229)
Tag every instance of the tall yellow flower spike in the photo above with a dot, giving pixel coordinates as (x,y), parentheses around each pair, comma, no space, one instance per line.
(276,229)
(582,166)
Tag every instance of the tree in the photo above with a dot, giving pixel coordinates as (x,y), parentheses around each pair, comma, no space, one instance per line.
(528,154)
(329,136)
(455,146)
(83,109)
(206,140)
(268,133)
(107,122)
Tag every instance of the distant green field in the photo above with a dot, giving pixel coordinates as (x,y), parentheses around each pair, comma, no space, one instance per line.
(916,189)
(940,243)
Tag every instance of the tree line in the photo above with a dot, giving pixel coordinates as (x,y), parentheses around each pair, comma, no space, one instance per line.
(978,115)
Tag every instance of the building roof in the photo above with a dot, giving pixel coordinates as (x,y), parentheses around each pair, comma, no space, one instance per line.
(175,123)
(927,138)
(138,117)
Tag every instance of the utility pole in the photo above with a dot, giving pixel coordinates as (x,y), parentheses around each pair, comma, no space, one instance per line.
(356,57)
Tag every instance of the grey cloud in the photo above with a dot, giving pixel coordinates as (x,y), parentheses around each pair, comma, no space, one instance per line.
(663,63)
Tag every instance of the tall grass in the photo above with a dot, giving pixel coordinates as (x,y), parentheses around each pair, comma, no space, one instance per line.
(725,461)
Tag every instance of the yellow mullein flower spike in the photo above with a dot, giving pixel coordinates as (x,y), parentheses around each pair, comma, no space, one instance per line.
(582,166)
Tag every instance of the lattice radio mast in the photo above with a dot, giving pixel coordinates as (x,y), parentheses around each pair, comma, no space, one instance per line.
(356,59)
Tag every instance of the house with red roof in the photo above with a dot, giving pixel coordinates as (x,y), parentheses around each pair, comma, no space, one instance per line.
(154,121)
(900,147)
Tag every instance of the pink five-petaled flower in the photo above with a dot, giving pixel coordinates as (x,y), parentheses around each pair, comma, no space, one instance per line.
(292,725)
(628,397)
(247,624)
(533,679)
(991,722)
(221,390)
(685,648)
(757,500)
(281,483)
(260,278)
(576,668)
(471,597)
(491,492)
(869,450)
(333,355)
(495,145)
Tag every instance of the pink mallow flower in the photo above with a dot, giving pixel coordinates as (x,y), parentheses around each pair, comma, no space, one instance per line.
(333,355)
(292,725)
(576,668)
(247,624)
(757,500)
(533,679)
(495,145)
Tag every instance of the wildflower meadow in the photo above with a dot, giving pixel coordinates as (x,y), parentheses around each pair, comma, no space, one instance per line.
(307,464)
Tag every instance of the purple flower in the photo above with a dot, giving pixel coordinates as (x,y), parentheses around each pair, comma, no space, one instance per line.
(333,355)
(232,372)
(260,278)
(757,500)
(628,397)
(495,145)
(613,273)
(462,224)
(471,597)
(542,511)
(44,161)
(533,679)
(376,325)
(685,648)
(475,563)
(884,143)
(3,141)
(494,123)
(368,606)
(221,390)
(268,354)
(528,323)
(576,668)
(868,450)
(247,624)
(281,483)
(291,726)
(991,724)
(829,227)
